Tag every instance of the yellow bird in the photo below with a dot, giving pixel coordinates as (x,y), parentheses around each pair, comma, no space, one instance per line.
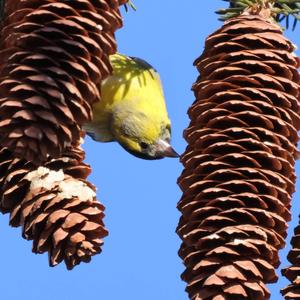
(132,110)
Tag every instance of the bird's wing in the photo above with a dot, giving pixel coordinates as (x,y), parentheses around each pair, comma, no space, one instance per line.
(98,133)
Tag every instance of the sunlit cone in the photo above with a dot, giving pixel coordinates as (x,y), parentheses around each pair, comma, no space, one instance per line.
(54,53)
(292,273)
(55,206)
(239,176)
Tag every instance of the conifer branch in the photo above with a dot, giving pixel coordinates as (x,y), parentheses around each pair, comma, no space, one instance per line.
(281,10)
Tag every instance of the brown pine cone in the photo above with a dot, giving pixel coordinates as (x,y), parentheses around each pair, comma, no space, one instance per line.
(54,54)
(239,174)
(55,206)
(292,273)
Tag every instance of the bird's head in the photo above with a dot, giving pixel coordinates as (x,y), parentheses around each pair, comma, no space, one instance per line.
(142,136)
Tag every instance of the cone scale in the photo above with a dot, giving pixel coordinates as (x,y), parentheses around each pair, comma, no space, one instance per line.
(239,175)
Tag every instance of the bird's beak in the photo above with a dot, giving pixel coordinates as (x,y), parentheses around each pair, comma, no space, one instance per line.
(164,149)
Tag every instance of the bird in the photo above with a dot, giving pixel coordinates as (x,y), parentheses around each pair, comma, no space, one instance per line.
(132,110)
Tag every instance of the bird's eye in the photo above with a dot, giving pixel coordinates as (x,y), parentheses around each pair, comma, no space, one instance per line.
(144,145)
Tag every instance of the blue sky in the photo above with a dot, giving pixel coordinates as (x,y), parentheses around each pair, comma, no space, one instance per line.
(139,259)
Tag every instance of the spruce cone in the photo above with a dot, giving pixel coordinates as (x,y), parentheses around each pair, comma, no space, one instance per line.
(55,206)
(54,53)
(239,175)
(292,273)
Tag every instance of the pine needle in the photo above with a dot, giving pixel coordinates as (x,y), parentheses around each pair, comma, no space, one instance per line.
(131,5)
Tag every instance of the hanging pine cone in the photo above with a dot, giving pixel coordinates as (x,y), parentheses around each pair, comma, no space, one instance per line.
(239,175)
(292,273)
(55,206)
(54,54)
